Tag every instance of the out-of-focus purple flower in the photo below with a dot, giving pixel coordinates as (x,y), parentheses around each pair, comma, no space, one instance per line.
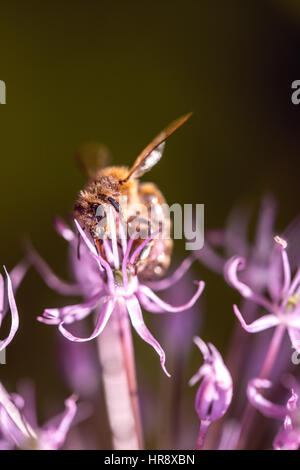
(108,281)
(288,437)
(283,305)
(220,245)
(18,428)
(214,393)
(79,365)
(8,288)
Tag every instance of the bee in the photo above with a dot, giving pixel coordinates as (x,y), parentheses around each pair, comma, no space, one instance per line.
(109,184)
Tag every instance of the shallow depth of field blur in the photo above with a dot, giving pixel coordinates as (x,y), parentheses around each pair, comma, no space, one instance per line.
(118,72)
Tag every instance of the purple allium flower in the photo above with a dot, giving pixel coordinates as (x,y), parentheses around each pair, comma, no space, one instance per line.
(109,283)
(214,394)
(288,437)
(18,428)
(283,305)
(221,245)
(8,288)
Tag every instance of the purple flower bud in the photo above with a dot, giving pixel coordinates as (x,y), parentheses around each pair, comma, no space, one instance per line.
(214,393)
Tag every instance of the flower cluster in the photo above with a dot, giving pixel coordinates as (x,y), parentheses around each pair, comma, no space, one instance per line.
(284,304)
(232,395)
(19,428)
(109,285)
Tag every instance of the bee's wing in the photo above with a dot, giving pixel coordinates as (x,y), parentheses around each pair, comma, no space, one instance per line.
(153,152)
(91,157)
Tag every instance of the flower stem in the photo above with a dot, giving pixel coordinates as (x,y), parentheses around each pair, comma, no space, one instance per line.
(265,371)
(202,434)
(119,379)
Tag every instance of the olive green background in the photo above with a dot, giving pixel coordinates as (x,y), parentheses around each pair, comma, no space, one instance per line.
(118,72)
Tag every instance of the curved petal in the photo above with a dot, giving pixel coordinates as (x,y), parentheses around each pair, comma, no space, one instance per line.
(296,281)
(16,276)
(202,347)
(138,324)
(63,230)
(50,278)
(202,372)
(265,226)
(140,248)
(14,314)
(263,323)
(266,407)
(71,313)
(210,258)
(294,334)
(2,298)
(102,263)
(52,439)
(232,266)
(100,324)
(89,244)
(293,286)
(148,305)
(167,307)
(175,277)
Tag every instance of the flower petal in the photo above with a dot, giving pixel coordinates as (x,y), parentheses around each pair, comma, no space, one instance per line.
(266,407)
(137,321)
(232,266)
(100,324)
(203,347)
(71,313)
(14,314)
(63,230)
(210,258)
(102,263)
(52,439)
(16,276)
(175,277)
(263,323)
(167,307)
(147,304)
(286,270)
(2,297)
(50,278)
(294,334)
(140,248)
(203,370)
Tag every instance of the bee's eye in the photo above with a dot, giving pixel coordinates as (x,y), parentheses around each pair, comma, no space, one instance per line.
(114,203)
(94,208)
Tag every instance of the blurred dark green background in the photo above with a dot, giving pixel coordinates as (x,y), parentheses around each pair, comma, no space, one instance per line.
(118,72)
